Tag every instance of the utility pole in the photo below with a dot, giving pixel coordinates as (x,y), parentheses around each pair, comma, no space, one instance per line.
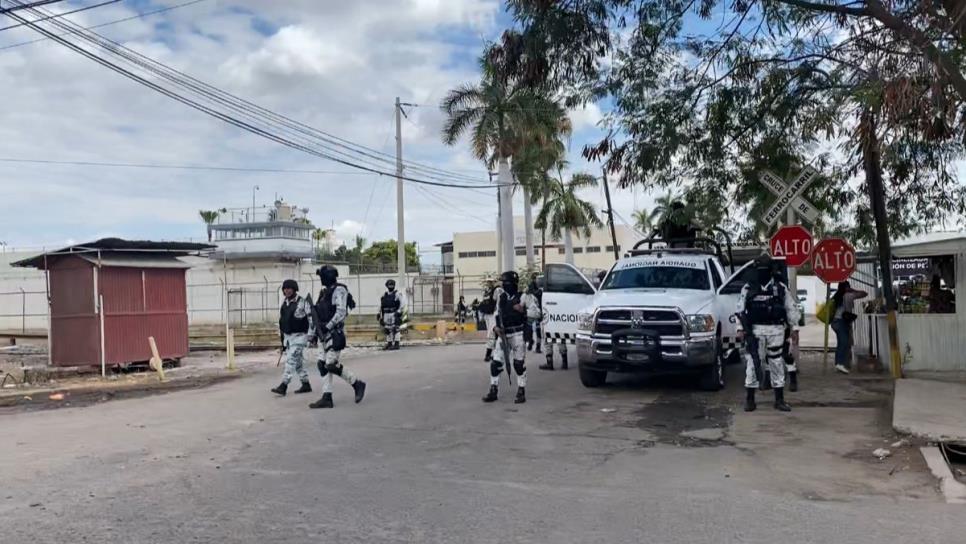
(400,224)
(610,216)
(792,271)
(254,188)
(499,231)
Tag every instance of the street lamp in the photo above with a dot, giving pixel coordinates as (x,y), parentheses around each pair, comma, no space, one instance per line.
(255,188)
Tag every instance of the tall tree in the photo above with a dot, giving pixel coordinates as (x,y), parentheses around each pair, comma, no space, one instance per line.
(564,212)
(499,114)
(645,220)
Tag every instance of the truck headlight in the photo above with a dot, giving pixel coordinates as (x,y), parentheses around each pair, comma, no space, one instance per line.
(585,322)
(701,322)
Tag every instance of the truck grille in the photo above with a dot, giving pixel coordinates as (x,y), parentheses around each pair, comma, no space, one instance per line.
(664,322)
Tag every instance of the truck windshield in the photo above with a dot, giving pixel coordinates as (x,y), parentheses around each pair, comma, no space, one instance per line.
(646,276)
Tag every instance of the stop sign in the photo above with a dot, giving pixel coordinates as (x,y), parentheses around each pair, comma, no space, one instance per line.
(794,243)
(833,260)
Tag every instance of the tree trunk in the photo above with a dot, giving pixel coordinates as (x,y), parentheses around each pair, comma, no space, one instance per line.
(568,247)
(872,164)
(209,231)
(508,251)
(528,226)
(543,249)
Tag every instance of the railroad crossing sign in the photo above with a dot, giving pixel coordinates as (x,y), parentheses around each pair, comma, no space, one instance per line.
(833,260)
(794,243)
(789,194)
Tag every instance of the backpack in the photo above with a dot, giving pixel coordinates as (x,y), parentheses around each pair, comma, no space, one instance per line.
(350,301)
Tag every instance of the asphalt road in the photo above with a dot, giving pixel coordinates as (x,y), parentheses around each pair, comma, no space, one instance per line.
(423,460)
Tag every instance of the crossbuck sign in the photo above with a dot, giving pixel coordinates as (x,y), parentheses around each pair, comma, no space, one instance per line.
(789,194)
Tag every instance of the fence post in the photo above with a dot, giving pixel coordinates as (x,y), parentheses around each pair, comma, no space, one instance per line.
(23,311)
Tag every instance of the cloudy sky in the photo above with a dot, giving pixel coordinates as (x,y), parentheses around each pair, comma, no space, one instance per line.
(335,65)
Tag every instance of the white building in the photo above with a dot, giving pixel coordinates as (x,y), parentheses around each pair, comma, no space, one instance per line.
(475,253)
(282,233)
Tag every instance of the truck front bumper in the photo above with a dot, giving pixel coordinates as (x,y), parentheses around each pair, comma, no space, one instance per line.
(667,354)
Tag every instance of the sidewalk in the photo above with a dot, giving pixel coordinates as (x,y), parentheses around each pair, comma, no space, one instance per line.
(933,410)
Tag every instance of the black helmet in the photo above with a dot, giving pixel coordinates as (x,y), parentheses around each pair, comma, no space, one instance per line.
(328,274)
(290,284)
(391,285)
(763,269)
(510,276)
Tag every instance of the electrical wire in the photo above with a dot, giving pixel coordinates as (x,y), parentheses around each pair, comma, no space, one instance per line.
(213,94)
(295,132)
(78,10)
(109,23)
(184,167)
(17,6)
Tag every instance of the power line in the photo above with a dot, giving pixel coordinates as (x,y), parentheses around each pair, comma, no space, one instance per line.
(18,6)
(256,114)
(78,10)
(109,23)
(184,167)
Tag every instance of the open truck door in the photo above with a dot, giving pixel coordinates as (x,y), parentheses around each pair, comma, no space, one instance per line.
(566,291)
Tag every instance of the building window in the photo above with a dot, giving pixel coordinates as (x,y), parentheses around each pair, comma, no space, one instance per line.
(610,249)
(487,254)
(467,254)
(593,249)
(521,252)
(561,251)
(578,250)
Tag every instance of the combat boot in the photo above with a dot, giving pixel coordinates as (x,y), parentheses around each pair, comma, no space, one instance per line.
(539,349)
(793,381)
(306,388)
(549,365)
(563,361)
(281,389)
(491,396)
(360,388)
(395,346)
(489,355)
(521,395)
(324,402)
(780,404)
(387,347)
(750,405)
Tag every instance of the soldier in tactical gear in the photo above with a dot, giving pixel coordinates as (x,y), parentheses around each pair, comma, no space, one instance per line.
(768,308)
(511,318)
(533,300)
(390,315)
(491,294)
(297,331)
(332,308)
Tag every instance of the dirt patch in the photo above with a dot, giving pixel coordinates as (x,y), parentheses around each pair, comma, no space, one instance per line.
(687,420)
(80,397)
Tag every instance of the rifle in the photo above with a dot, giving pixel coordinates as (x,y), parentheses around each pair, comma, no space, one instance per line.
(280,353)
(751,345)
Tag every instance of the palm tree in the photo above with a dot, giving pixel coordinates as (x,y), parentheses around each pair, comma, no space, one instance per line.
(645,221)
(538,154)
(209,217)
(499,115)
(564,212)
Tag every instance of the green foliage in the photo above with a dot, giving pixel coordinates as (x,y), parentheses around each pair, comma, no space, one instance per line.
(564,210)
(768,84)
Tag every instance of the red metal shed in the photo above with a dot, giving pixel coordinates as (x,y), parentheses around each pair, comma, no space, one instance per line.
(107,297)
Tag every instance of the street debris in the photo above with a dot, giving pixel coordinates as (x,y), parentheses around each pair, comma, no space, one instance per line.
(608,410)
(28,397)
(56,396)
(900,444)
(881,453)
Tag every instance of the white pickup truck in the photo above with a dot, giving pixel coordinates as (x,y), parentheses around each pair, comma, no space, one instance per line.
(657,311)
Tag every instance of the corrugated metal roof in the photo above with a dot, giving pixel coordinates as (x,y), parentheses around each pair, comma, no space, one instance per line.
(930,243)
(135,261)
(116,245)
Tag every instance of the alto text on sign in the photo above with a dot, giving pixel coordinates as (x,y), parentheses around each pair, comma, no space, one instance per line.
(833,260)
(794,243)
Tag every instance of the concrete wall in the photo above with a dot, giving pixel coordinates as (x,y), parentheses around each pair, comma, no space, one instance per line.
(243,293)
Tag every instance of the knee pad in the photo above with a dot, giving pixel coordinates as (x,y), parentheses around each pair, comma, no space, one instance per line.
(322,370)
(520,367)
(334,368)
(496,368)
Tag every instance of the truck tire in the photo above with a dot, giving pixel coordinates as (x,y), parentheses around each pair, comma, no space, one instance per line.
(591,378)
(713,377)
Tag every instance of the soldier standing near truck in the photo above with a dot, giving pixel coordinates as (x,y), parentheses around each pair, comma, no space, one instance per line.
(511,319)
(767,307)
